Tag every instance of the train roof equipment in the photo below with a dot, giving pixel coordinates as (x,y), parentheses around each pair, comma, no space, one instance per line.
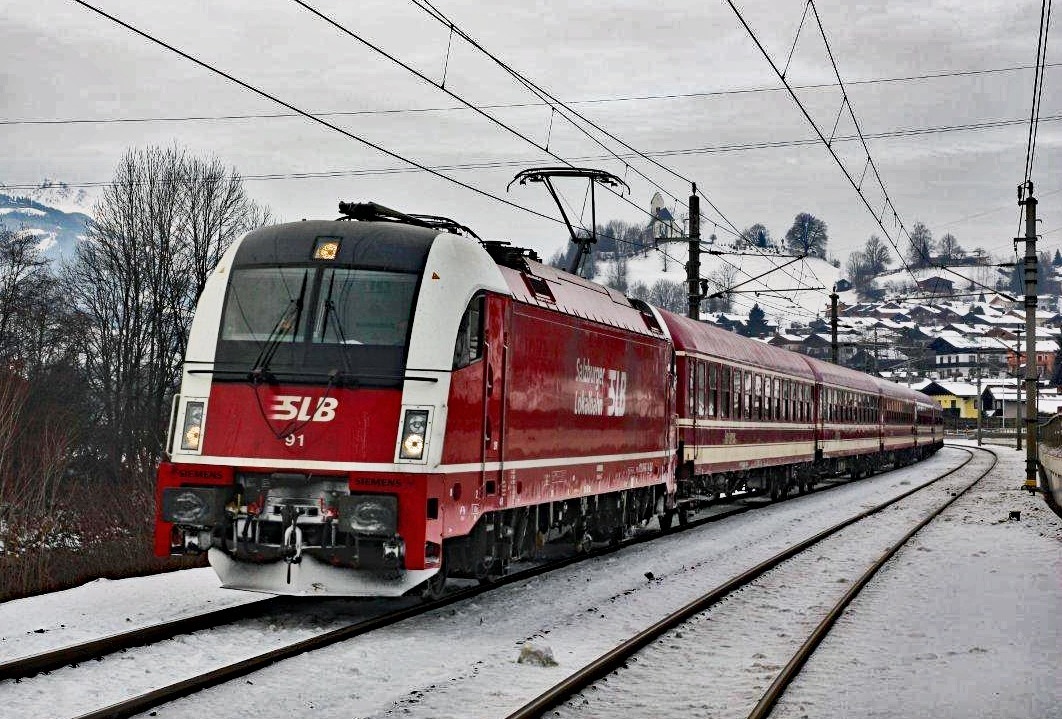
(545,175)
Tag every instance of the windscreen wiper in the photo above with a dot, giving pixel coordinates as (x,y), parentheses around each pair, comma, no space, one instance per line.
(330,311)
(288,321)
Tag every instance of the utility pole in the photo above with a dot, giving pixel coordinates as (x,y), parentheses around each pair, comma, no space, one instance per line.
(1025,197)
(1017,389)
(834,354)
(693,267)
(978,403)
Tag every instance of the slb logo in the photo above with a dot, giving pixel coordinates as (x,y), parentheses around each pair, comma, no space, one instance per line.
(287,407)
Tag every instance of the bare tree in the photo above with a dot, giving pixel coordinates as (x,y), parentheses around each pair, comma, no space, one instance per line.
(617,273)
(950,249)
(920,252)
(756,236)
(721,280)
(670,296)
(158,231)
(877,255)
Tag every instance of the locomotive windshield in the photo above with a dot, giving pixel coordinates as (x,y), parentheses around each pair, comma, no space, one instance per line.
(302,324)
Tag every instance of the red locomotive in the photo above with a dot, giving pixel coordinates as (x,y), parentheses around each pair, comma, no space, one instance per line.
(372,404)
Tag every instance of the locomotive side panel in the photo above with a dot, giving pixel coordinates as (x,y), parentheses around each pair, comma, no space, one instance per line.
(586,401)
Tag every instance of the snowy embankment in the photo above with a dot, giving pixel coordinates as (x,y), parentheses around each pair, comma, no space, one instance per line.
(963,623)
(462,661)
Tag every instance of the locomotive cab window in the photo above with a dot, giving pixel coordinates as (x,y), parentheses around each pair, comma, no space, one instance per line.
(469,345)
(304,322)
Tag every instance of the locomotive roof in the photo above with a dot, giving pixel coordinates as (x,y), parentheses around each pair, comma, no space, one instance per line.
(574,295)
(692,336)
(380,245)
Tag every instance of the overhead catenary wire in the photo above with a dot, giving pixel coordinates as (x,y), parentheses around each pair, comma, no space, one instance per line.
(565,110)
(434,12)
(888,203)
(310,116)
(1038,86)
(501,164)
(512,105)
(557,107)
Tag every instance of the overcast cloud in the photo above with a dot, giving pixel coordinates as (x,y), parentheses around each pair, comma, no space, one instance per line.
(65,62)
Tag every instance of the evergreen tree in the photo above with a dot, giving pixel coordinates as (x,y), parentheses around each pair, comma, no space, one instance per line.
(757,324)
(1056,374)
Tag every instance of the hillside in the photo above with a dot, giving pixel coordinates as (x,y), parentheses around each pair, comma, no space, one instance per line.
(54,212)
(775,292)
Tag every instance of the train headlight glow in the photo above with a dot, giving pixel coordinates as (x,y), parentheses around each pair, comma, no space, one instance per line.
(414,434)
(370,514)
(192,432)
(326,248)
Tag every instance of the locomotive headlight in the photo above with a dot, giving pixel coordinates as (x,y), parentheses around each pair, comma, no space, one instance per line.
(414,434)
(370,514)
(201,506)
(192,431)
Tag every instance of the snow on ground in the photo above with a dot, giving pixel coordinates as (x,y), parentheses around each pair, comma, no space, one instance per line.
(105,607)
(897,653)
(965,623)
(670,264)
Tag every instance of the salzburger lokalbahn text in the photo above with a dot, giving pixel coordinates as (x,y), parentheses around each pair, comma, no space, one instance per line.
(373,404)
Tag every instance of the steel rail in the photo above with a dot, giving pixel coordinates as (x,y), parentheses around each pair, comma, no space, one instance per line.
(619,655)
(149,700)
(126,708)
(30,665)
(790,671)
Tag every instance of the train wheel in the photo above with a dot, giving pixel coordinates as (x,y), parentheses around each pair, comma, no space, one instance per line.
(434,588)
(491,570)
(665,519)
(774,488)
(683,515)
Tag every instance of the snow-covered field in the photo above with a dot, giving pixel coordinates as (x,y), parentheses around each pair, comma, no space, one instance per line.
(979,607)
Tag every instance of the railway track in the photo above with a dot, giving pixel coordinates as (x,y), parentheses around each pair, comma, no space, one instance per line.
(624,655)
(27,667)
(148,700)
(74,654)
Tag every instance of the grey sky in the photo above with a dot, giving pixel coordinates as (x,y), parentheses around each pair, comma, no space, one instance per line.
(66,62)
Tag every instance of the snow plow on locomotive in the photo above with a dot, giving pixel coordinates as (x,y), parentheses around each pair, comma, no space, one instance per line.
(373,404)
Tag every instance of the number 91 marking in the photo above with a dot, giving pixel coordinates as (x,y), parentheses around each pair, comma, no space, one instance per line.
(293,440)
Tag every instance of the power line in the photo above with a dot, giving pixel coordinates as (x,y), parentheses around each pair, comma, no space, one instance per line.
(513,105)
(1038,86)
(555,103)
(318,174)
(309,115)
(501,164)
(441,87)
(846,103)
(540,92)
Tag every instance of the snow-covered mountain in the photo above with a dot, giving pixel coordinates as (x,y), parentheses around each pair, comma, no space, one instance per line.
(54,212)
